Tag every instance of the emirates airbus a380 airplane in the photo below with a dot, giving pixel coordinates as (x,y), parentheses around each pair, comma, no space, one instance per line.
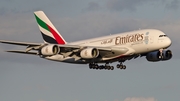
(150,43)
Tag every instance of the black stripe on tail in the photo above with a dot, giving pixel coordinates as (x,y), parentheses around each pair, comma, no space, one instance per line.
(48,39)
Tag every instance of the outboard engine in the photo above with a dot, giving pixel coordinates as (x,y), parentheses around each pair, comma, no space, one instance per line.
(167,54)
(49,50)
(157,56)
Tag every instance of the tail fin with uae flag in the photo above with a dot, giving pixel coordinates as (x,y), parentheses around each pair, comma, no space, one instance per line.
(49,32)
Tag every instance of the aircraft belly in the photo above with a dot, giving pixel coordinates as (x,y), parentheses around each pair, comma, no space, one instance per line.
(61,58)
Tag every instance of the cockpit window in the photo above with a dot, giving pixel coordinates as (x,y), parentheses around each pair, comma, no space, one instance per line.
(162,35)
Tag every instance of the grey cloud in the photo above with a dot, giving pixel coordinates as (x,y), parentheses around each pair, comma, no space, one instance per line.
(5,11)
(140,99)
(18,27)
(174,5)
(41,100)
(92,6)
(23,6)
(7,7)
(2,11)
(6,0)
(120,5)
(131,5)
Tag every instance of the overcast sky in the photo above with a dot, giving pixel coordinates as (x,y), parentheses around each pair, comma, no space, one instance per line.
(30,78)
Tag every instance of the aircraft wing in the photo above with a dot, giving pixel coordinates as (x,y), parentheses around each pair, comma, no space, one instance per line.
(35,44)
(72,50)
(19,43)
(23,52)
(105,53)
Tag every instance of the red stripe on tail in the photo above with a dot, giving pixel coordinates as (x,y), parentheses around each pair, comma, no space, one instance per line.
(56,36)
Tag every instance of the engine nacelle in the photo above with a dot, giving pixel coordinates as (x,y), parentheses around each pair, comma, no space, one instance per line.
(156,55)
(89,53)
(167,54)
(50,50)
(153,56)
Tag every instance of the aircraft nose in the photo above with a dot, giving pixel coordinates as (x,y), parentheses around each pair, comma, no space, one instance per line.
(168,42)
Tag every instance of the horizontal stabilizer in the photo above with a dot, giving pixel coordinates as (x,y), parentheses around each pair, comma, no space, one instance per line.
(23,52)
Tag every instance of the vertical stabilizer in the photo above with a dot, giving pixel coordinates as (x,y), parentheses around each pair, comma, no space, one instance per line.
(48,31)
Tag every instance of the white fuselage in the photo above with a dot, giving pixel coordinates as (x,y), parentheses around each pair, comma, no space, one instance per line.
(140,41)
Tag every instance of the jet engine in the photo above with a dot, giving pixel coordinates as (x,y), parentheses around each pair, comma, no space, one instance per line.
(167,55)
(50,50)
(89,53)
(153,56)
(156,56)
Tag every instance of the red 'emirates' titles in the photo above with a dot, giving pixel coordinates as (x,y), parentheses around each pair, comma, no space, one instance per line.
(128,39)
